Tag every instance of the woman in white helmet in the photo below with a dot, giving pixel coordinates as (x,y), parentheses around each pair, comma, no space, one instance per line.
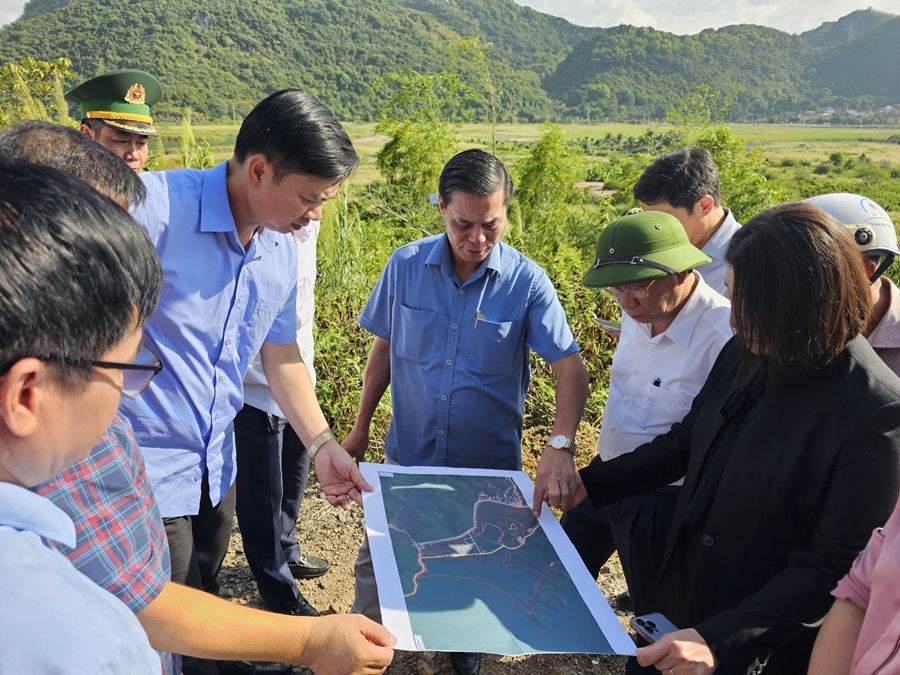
(876,238)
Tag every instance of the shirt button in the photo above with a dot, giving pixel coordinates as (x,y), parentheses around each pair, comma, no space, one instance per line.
(462,292)
(637,372)
(454,326)
(449,362)
(227,343)
(707,540)
(626,401)
(441,432)
(444,397)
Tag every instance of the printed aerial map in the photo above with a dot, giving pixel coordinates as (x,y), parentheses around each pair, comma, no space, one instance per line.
(477,570)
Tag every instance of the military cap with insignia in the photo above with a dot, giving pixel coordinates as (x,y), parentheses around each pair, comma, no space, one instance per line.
(120,100)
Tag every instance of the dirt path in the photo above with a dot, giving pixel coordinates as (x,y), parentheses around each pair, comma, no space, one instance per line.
(336,535)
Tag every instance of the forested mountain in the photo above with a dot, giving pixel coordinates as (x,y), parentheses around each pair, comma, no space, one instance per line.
(864,71)
(850,27)
(214,54)
(628,72)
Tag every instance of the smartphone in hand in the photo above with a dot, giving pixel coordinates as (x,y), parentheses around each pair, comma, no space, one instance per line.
(611,328)
(651,627)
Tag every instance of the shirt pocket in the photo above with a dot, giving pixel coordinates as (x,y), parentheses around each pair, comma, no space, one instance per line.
(494,346)
(419,335)
(663,408)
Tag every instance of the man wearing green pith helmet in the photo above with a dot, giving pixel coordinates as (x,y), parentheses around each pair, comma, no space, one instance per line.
(678,326)
(115,112)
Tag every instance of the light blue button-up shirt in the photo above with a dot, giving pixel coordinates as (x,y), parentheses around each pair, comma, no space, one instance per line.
(218,304)
(458,386)
(53,619)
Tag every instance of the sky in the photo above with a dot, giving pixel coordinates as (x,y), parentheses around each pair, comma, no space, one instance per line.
(687,17)
(675,16)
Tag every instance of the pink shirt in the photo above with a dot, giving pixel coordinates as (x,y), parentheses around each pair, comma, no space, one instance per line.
(885,339)
(872,583)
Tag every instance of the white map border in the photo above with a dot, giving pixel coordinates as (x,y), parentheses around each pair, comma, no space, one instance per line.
(390,590)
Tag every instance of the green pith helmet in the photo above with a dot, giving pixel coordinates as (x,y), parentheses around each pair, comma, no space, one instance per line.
(120,100)
(640,247)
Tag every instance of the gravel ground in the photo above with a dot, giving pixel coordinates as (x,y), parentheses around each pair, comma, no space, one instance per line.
(336,536)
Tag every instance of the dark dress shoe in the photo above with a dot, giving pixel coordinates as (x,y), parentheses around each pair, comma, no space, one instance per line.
(308,567)
(466,663)
(254,668)
(623,601)
(297,608)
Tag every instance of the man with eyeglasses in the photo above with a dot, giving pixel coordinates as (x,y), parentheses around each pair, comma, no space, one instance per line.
(677,327)
(67,247)
(120,543)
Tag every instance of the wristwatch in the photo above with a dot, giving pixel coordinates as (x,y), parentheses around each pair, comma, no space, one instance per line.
(561,442)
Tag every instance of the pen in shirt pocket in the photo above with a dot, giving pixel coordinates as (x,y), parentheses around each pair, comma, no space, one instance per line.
(657,382)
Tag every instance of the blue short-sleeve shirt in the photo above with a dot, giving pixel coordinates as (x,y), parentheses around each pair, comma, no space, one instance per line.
(218,304)
(458,386)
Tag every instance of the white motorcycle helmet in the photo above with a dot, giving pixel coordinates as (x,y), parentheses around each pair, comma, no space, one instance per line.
(872,228)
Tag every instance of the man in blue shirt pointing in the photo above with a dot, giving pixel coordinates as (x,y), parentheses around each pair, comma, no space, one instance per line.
(454,317)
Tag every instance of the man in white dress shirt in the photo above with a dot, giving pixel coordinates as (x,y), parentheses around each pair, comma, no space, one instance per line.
(677,327)
(685,183)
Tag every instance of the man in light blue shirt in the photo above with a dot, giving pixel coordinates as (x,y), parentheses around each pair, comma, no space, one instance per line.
(62,373)
(229,288)
(454,317)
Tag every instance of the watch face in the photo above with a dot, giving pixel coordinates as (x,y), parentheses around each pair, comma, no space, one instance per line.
(558,442)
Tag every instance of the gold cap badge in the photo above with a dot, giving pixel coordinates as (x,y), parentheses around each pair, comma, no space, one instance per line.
(135,95)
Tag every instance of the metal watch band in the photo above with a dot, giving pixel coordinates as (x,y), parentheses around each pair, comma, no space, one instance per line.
(319,442)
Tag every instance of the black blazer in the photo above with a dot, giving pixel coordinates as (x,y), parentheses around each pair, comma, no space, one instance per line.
(758,543)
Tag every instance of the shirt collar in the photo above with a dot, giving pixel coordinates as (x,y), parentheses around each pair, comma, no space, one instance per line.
(441,256)
(26,511)
(715,247)
(216,216)
(681,330)
(885,333)
(215,210)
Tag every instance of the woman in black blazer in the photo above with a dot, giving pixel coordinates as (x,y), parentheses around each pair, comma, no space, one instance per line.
(790,455)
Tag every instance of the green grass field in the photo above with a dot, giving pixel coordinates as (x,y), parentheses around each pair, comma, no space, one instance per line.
(810,143)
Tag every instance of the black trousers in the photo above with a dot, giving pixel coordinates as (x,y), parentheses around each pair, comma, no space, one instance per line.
(197,546)
(273,467)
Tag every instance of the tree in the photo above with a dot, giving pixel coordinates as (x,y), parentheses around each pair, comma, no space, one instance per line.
(32,89)
(422,118)
(546,178)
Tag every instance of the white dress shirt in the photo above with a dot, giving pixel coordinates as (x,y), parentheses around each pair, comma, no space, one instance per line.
(256,388)
(653,380)
(714,273)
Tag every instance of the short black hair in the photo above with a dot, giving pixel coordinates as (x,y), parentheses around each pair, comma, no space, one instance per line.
(680,178)
(799,293)
(475,172)
(78,272)
(297,134)
(71,151)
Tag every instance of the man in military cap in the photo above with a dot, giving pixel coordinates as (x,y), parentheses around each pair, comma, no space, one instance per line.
(678,326)
(115,112)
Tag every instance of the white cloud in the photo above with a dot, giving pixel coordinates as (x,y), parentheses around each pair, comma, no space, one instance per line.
(10,10)
(689,16)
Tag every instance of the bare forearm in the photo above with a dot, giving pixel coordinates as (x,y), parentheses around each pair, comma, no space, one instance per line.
(293,390)
(571,394)
(187,621)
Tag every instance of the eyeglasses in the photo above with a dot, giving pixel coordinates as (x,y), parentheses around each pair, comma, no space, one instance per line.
(638,291)
(136,376)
